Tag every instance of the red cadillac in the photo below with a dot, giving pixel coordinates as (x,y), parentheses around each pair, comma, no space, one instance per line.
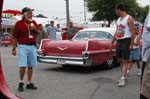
(88,47)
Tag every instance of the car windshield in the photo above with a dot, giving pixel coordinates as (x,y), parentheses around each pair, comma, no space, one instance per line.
(97,35)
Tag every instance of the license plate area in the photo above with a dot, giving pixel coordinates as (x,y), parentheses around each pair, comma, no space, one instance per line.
(61,61)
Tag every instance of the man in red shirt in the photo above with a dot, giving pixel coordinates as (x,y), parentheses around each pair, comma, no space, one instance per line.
(24,35)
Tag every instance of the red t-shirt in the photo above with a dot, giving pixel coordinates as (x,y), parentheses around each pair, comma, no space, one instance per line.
(23,33)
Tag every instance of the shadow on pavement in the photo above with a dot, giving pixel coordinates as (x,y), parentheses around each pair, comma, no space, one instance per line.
(77,69)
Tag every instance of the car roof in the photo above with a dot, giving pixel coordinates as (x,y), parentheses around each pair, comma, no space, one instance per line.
(111,30)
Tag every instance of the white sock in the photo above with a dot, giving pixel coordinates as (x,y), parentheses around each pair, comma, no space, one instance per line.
(122,77)
(28,82)
(139,70)
(21,81)
(128,71)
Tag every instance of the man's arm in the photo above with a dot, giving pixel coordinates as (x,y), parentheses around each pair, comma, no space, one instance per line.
(131,26)
(35,28)
(138,41)
(75,31)
(14,44)
(114,39)
(112,42)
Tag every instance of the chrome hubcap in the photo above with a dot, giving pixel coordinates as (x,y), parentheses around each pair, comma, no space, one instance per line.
(110,61)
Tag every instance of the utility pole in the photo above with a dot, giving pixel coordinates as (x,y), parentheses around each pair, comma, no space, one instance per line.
(84,11)
(67,12)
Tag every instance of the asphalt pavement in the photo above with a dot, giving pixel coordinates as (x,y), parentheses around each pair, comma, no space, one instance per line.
(56,82)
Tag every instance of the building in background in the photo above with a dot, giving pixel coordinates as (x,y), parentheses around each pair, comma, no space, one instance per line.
(6,16)
(10,13)
(10,17)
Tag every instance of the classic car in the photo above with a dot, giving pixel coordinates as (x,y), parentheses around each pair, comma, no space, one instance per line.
(89,47)
(6,41)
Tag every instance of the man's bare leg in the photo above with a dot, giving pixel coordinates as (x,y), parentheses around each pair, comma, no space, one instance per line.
(22,72)
(30,73)
(30,85)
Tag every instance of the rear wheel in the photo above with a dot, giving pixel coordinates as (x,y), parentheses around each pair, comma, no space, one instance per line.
(110,63)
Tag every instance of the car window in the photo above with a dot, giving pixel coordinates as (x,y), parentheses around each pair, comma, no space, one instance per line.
(106,35)
(84,35)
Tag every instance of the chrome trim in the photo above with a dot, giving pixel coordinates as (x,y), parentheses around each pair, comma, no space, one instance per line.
(76,58)
(68,60)
(85,55)
(62,49)
(87,46)
(42,43)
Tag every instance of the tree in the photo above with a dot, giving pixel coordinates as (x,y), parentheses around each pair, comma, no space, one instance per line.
(143,11)
(105,9)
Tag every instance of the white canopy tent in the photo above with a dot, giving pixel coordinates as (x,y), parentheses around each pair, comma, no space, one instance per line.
(42,21)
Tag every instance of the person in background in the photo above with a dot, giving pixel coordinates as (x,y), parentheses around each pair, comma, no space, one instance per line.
(59,28)
(135,52)
(125,39)
(24,36)
(51,31)
(145,86)
(59,33)
(41,36)
(72,30)
(145,44)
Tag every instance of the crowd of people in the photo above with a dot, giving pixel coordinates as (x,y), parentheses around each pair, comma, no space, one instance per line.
(53,32)
(28,34)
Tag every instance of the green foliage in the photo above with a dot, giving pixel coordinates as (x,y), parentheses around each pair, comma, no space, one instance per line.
(105,9)
(142,13)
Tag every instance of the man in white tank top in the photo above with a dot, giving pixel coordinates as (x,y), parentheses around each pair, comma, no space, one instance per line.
(125,39)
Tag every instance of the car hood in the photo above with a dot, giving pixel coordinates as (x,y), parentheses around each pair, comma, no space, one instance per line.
(64,48)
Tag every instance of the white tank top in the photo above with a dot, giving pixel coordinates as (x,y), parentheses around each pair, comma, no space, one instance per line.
(123,30)
(135,42)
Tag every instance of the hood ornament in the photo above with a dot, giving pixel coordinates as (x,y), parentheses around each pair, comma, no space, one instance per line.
(62,49)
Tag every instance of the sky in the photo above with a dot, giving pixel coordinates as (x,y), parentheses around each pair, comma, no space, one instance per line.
(54,8)
(51,8)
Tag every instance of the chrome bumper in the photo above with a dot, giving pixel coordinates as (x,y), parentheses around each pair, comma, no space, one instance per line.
(81,61)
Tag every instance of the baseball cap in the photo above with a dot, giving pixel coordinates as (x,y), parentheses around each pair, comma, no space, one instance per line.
(26,9)
(137,25)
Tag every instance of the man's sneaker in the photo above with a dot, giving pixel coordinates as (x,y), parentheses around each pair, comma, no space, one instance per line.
(121,82)
(31,86)
(21,87)
(138,74)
